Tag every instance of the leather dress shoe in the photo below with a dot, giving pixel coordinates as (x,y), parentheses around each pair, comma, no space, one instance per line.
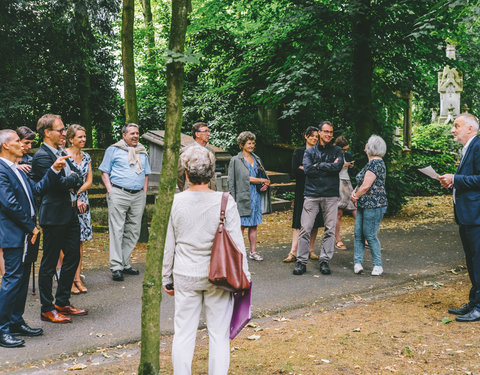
(325,268)
(131,271)
(55,317)
(300,269)
(70,310)
(25,330)
(117,275)
(472,316)
(8,341)
(465,309)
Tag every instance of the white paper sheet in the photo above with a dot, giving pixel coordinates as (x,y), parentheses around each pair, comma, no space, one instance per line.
(430,172)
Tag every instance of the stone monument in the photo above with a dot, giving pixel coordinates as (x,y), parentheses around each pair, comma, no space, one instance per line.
(450,85)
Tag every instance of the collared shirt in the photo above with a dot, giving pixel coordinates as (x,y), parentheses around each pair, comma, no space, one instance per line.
(60,152)
(22,181)
(115,163)
(68,171)
(198,144)
(464,150)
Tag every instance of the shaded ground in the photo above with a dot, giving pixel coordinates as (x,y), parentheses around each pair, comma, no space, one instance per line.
(275,228)
(408,333)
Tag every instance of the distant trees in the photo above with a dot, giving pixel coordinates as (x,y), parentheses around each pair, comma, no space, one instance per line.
(316,59)
(128,63)
(297,62)
(57,56)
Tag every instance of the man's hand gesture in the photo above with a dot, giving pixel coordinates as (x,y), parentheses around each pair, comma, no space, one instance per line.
(60,163)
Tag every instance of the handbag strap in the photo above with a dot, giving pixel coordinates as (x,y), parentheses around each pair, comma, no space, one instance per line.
(223,207)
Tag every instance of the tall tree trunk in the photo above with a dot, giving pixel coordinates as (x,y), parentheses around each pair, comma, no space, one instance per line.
(148,19)
(130,92)
(85,95)
(84,35)
(152,283)
(363,116)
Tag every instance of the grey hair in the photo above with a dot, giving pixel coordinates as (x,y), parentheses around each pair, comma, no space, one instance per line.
(244,137)
(5,136)
(470,120)
(199,163)
(129,125)
(376,146)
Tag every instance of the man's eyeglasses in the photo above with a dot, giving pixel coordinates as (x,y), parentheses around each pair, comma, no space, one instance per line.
(62,130)
(327,131)
(202,131)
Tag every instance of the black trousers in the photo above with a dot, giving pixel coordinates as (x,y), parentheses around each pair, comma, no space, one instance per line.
(11,286)
(470,235)
(55,238)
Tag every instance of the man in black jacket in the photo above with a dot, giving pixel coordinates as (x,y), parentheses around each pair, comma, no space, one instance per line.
(322,165)
(59,220)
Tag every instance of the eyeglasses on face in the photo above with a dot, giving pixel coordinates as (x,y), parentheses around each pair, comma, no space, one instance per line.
(61,130)
(327,131)
(203,131)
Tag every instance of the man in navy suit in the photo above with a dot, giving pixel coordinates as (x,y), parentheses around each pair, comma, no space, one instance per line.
(466,201)
(17,220)
(58,217)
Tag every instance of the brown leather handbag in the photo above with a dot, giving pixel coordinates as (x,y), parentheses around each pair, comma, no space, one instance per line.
(226,263)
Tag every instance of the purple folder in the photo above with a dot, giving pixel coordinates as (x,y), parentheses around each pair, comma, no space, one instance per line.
(242,312)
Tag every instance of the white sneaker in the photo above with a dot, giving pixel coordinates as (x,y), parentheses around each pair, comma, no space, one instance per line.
(357,268)
(377,271)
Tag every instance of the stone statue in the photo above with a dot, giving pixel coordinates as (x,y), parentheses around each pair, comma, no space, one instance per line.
(450,85)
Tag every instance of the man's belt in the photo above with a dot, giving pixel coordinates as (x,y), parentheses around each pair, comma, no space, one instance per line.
(127,190)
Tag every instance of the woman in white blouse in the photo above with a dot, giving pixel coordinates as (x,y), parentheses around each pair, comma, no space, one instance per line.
(191,229)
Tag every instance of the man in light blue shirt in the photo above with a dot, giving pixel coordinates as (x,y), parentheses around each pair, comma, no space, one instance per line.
(125,171)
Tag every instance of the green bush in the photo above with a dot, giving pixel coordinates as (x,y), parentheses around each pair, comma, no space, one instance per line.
(432,145)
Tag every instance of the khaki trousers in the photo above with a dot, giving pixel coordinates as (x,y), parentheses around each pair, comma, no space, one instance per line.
(125,212)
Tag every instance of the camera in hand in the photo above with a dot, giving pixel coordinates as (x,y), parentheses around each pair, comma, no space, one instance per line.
(169,286)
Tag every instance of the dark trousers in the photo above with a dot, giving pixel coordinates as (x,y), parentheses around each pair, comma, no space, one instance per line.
(11,287)
(19,306)
(55,238)
(470,235)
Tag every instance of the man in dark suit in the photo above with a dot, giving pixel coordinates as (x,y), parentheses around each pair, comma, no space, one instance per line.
(17,220)
(59,221)
(466,199)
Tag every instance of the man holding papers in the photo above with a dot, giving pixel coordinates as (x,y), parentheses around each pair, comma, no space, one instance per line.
(466,197)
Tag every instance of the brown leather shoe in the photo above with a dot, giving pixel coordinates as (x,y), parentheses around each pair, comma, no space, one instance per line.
(70,310)
(55,317)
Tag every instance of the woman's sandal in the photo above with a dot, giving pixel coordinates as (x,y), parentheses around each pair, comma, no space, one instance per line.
(312,255)
(340,245)
(80,286)
(255,256)
(74,289)
(290,258)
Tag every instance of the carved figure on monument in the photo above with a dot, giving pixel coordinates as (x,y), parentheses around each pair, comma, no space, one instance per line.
(450,117)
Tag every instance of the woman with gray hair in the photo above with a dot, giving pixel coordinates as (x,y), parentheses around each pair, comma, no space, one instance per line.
(370,198)
(248,184)
(192,226)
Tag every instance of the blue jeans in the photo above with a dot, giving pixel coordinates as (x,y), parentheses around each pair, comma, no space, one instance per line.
(367,224)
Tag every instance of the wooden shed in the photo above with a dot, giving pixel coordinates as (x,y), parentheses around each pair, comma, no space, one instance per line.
(155,139)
